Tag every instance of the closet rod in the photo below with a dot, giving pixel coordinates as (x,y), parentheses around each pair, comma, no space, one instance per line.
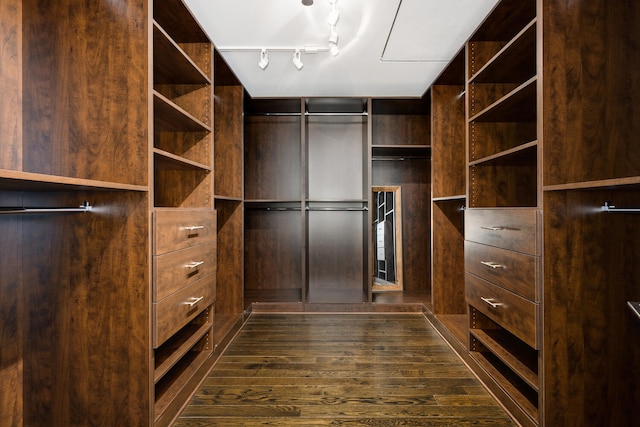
(85,207)
(635,307)
(273,209)
(607,207)
(337,114)
(339,209)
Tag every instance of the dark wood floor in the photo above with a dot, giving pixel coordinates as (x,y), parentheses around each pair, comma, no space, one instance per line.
(340,369)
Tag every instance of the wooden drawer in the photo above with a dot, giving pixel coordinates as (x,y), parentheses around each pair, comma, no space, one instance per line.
(514,229)
(179,229)
(514,271)
(514,313)
(175,270)
(178,309)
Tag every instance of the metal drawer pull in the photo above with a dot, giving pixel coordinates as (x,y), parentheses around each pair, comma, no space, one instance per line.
(195,264)
(492,264)
(494,228)
(194,227)
(195,301)
(490,302)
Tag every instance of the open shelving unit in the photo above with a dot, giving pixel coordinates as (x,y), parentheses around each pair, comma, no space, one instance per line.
(504,196)
(183,215)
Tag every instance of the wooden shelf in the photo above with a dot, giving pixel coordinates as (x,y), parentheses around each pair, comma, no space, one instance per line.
(520,155)
(171,65)
(25,181)
(173,350)
(401,151)
(166,161)
(518,393)
(519,105)
(514,63)
(175,380)
(521,359)
(168,117)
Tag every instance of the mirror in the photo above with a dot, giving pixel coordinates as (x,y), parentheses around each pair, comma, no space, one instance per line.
(387,239)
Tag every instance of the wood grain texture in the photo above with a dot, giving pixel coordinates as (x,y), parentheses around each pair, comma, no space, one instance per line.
(230,276)
(86,311)
(592,351)
(413,176)
(11,85)
(85,89)
(447,248)
(228,150)
(11,315)
(591,79)
(357,369)
(272,151)
(448,141)
(273,253)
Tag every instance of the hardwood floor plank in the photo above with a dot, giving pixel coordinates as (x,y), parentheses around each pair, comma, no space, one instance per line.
(372,369)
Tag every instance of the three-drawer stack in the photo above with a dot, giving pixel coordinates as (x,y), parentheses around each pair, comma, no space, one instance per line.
(503,293)
(184,291)
(184,267)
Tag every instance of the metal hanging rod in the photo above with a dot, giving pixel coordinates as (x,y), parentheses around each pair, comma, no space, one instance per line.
(635,307)
(255,208)
(363,209)
(608,207)
(85,207)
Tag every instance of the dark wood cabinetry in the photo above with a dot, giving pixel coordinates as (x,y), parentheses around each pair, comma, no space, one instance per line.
(549,143)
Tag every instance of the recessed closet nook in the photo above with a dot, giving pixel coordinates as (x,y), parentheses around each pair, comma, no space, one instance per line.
(148,205)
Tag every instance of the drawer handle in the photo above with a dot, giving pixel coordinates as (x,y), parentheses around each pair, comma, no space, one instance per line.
(492,264)
(195,301)
(490,302)
(493,228)
(194,264)
(192,230)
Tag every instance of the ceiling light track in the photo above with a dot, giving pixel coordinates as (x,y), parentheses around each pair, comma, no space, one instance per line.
(332,46)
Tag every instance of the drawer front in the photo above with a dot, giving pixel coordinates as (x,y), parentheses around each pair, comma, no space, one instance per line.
(178,309)
(179,229)
(514,229)
(514,313)
(514,271)
(175,270)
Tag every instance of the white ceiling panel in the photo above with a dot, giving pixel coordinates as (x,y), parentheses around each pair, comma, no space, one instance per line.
(424,38)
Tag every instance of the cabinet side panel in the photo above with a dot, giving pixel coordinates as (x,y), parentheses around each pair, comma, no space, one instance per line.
(86,320)
(11,354)
(10,85)
(85,97)
(591,82)
(591,346)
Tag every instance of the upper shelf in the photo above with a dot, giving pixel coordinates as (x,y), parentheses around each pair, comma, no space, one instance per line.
(24,181)
(171,65)
(514,63)
(519,105)
(170,117)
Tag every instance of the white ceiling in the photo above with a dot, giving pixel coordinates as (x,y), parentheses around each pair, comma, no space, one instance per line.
(388,48)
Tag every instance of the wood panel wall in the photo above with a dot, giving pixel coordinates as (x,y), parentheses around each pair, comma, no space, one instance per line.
(11,85)
(414,179)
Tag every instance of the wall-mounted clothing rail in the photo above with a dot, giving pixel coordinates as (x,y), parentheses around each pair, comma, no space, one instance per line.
(363,209)
(608,207)
(635,307)
(85,207)
(271,208)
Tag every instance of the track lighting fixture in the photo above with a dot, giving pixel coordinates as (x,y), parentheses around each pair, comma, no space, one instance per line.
(264,59)
(334,16)
(333,49)
(297,61)
(333,35)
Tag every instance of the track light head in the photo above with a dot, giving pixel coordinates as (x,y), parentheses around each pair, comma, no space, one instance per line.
(297,61)
(333,49)
(264,59)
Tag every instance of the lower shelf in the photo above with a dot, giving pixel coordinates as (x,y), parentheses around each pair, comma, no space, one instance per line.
(177,363)
(521,393)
